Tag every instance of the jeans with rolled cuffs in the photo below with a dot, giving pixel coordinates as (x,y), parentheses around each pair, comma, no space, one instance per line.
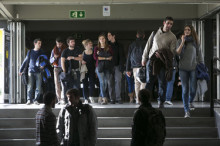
(106,80)
(189,85)
(130,81)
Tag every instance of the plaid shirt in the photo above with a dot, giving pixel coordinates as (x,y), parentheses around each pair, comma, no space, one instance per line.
(46,128)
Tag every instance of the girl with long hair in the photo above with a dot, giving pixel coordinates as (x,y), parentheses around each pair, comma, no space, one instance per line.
(103,55)
(188,49)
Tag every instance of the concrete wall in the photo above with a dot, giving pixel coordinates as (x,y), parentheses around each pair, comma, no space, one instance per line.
(118,12)
(100,25)
(207,8)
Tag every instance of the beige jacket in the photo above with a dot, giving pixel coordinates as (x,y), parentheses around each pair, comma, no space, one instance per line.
(83,71)
(161,40)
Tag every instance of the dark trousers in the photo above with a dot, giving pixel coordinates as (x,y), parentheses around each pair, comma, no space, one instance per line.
(150,80)
(89,84)
(74,82)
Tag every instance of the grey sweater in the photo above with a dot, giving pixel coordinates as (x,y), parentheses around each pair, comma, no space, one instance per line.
(188,56)
(161,40)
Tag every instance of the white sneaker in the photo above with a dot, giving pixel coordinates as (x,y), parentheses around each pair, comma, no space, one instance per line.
(168,102)
(91,100)
(28,102)
(36,103)
(191,106)
(187,115)
(137,102)
(62,102)
(85,101)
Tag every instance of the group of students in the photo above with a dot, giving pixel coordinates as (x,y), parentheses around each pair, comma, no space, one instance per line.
(83,66)
(158,56)
(77,123)
(106,60)
(73,65)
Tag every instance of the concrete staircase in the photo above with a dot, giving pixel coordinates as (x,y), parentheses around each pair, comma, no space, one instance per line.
(17,127)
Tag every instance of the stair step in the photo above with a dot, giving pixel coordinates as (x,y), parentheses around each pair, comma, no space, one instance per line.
(116,122)
(106,112)
(168,142)
(17,126)
(124,142)
(119,132)
(173,132)
(170,122)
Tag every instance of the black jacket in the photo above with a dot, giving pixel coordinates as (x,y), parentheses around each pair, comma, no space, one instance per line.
(118,54)
(135,52)
(105,65)
(143,133)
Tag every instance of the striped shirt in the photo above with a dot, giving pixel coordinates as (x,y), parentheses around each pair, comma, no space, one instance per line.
(46,128)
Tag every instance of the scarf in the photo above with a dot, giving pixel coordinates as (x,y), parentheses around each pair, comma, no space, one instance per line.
(58,52)
(188,39)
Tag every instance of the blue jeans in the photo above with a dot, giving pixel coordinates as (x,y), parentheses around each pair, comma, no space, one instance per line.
(130,81)
(150,80)
(101,81)
(74,82)
(89,84)
(189,84)
(169,92)
(106,80)
(32,79)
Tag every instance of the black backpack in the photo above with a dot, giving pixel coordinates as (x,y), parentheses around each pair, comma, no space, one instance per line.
(156,127)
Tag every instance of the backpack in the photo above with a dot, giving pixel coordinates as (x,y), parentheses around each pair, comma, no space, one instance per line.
(156,127)
(136,53)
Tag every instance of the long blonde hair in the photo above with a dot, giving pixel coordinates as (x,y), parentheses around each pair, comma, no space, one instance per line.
(106,43)
(193,33)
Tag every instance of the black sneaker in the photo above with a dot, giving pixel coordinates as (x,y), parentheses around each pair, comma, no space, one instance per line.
(119,102)
(160,104)
(112,102)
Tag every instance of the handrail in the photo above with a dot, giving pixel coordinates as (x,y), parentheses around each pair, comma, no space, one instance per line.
(214,71)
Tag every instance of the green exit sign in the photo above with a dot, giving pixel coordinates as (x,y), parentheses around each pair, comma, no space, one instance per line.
(77,14)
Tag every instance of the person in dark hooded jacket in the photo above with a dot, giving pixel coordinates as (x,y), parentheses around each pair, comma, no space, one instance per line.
(149,127)
(118,61)
(134,58)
